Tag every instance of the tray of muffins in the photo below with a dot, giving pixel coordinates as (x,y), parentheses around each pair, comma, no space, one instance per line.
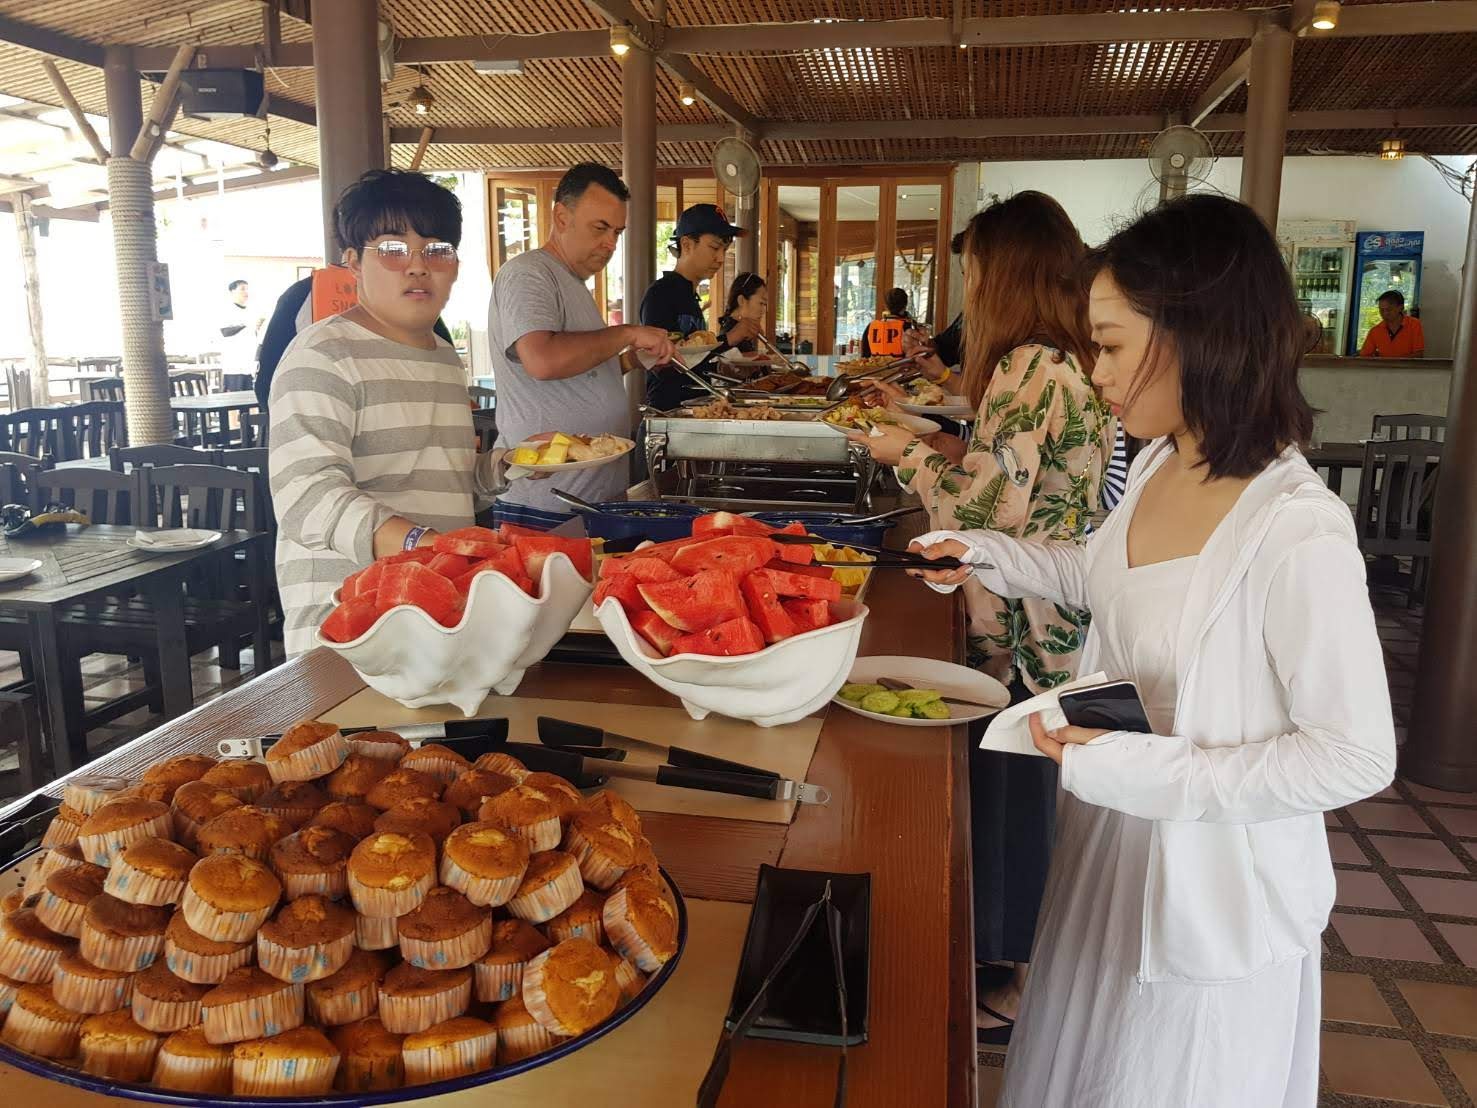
(349,919)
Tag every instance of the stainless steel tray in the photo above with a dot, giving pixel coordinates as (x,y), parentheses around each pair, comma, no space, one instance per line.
(793,438)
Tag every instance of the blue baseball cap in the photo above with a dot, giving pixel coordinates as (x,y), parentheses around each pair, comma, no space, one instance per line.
(706,219)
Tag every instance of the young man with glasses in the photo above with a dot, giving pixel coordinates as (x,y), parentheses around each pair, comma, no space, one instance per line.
(372,447)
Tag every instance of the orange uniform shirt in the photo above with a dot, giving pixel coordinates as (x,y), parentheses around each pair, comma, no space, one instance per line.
(885,336)
(1408,342)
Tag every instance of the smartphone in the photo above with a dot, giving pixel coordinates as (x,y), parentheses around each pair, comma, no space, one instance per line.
(1115,706)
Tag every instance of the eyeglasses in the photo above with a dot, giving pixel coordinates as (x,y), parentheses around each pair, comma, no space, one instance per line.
(395,255)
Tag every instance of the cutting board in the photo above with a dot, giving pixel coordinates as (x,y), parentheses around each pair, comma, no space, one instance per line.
(786,750)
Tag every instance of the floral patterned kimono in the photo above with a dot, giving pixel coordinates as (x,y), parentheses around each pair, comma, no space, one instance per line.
(1033,469)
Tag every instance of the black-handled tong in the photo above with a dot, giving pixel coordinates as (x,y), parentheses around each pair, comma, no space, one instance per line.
(564,733)
(884,558)
(464,732)
(587,772)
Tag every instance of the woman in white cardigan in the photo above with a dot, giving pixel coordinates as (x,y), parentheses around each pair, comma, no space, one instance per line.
(1177,958)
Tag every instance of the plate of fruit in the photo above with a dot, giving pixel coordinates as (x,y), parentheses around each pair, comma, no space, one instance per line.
(565,453)
(920,692)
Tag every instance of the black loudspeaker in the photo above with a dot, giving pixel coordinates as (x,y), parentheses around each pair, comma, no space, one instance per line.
(221,93)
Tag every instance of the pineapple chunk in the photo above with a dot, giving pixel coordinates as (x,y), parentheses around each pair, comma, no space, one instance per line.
(525,456)
(560,439)
(556,453)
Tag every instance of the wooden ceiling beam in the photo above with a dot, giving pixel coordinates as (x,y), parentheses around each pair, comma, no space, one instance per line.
(1234,75)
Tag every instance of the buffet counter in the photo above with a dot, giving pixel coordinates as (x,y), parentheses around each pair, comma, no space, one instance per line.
(898,809)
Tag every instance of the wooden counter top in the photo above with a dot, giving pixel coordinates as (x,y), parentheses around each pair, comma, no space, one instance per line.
(899,809)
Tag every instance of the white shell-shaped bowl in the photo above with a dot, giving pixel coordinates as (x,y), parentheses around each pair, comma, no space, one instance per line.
(411,658)
(779,684)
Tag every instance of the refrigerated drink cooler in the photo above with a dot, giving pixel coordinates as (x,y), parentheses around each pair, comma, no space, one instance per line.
(1384,260)
(1320,255)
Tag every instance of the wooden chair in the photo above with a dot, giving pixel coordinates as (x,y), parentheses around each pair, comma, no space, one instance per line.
(132,457)
(35,431)
(254,429)
(90,430)
(17,477)
(188,383)
(105,496)
(1409,425)
(482,398)
(1393,516)
(104,388)
(18,386)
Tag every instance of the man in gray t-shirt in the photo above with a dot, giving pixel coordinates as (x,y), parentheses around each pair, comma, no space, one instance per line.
(557,366)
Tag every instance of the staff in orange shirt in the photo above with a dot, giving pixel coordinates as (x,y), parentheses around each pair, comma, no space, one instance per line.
(1397,335)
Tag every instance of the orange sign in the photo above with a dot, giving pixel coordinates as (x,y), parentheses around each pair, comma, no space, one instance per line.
(334,291)
(885,337)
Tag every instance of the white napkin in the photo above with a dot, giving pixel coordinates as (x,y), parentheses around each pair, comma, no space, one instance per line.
(177,536)
(1010,730)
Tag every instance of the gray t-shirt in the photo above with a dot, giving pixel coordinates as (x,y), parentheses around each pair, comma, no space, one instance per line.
(537,292)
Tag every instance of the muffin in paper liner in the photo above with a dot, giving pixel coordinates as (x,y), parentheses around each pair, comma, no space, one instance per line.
(119,822)
(551,884)
(90,989)
(455,1048)
(164,1002)
(90,792)
(413,999)
(307,750)
(193,957)
(150,871)
(298,1062)
(29,949)
(370,1057)
(519,1035)
(250,1004)
(571,988)
(350,995)
(642,925)
(40,1025)
(188,1063)
(376,932)
(113,1045)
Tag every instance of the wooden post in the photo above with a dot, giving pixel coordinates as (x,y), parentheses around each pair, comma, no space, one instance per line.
(1266,116)
(346,76)
(638,148)
(25,231)
(420,148)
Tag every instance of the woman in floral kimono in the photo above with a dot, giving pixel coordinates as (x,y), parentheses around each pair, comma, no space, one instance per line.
(1033,469)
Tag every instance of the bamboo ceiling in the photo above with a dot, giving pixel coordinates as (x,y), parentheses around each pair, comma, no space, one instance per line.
(825,86)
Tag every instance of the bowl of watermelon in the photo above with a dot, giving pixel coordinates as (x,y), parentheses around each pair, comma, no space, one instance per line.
(465,617)
(730,621)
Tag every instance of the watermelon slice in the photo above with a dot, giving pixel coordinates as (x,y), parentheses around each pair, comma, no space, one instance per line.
(729,523)
(506,562)
(365,581)
(412,583)
(739,554)
(765,610)
(507,532)
(535,551)
(643,569)
(736,636)
(696,603)
(449,565)
(800,584)
(421,556)
(469,542)
(626,589)
(656,630)
(350,620)
(807,615)
(823,572)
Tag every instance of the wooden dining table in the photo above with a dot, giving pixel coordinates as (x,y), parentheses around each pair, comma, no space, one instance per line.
(1335,457)
(898,810)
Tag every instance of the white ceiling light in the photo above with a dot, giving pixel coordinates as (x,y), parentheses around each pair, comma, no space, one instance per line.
(620,41)
(1325,15)
(686,94)
(512,66)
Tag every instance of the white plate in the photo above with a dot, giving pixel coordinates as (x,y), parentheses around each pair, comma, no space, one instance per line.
(13,569)
(201,540)
(567,467)
(956,408)
(917,424)
(924,673)
(691,354)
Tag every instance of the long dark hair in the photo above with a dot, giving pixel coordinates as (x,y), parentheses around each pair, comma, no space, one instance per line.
(1021,285)
(1209,276)
(744,284)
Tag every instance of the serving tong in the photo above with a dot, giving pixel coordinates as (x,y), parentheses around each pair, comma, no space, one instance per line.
(882,557)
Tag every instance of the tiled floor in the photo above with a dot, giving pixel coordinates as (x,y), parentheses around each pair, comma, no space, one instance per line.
(1400,955)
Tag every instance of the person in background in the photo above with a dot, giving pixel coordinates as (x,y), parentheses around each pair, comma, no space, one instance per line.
(1396,335)
(884,335)
(372,447)
(946,350)
(748,303)
(700,241)
(240,330)
(1178,956)
(557,365)
(1033,469)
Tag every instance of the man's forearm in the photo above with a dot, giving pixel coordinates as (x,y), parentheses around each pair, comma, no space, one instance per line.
(552,356)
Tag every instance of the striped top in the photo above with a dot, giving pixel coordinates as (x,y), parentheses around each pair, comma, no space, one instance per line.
(363,429)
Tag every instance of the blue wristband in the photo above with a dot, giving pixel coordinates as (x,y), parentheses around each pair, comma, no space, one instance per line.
(413,536)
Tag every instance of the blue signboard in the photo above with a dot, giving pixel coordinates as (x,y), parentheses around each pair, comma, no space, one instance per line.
(1388,244)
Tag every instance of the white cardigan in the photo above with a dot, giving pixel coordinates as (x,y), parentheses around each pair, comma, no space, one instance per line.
(1283,712)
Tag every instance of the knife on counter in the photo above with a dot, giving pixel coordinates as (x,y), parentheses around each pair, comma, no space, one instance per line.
(579,768)
(565,733)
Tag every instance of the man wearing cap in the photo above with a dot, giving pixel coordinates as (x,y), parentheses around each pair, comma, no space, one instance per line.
(699,243)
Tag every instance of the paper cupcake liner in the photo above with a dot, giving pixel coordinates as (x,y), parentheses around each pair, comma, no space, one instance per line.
(376,932)
(257,1017)
(60,832)
(53,861)
(118,952)
(247,794)
(540,836)
(453,953)
(186,830)
(318,760)
(389,902)
(282,1076)
(88,794)
(41,1035)
(350,1007)
(629,978)
(164,1015)
(133,1061)
(388,752)
(103,848)
(502,763)
(517,1043)
(204,969)
(405,1015)
(300,964)
(437,1063)
(626,939)
(544,903)
(485,892)
(537,1002)
(92,995)
(558,930)
(62,916)
(21,961)
(8,989)
(189,1074)
(499,982)
(222,926)
(128,882)
(441,768)
(333,885)
(596,867)
(369,1075)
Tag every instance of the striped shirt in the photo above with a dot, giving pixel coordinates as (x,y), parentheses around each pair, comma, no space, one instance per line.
(1115,477)
(363,429)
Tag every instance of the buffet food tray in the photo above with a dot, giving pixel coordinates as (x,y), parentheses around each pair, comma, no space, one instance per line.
(794,437)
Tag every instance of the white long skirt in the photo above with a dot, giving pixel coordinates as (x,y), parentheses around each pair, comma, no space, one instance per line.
(1089,1036)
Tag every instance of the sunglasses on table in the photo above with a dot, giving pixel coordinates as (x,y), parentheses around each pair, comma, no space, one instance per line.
(395,255)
